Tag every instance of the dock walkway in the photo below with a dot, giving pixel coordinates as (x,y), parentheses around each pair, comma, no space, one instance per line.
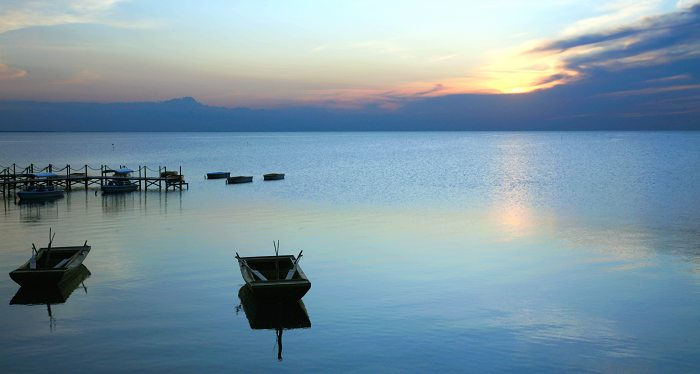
(14,177)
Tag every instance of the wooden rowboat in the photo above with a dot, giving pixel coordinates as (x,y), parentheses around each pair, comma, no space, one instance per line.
(273,176)
(274,278)
(53,294)
(218,175)
(239,179)
(49,266)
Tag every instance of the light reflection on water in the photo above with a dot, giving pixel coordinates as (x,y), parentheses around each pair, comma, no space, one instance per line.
(456,251)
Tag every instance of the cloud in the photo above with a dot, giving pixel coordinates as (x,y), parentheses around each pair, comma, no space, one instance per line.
(655,40)
(83,77)
(7,72)
(22,14)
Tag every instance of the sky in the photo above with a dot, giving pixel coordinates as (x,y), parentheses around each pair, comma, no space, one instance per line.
(338,54)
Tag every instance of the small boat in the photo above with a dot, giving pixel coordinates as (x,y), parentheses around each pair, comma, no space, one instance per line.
(238,179)
(273,176)
(52,294)
(274,278)
(40,187)
(50,265)
(218,175)
(120,182)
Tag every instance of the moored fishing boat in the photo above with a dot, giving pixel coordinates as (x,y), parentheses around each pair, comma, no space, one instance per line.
(218,175)
(273,176)
(50,265)
(40,187)
(274,278)
(239,179)
(120,182)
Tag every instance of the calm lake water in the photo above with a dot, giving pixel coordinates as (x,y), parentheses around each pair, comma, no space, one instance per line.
(426,252)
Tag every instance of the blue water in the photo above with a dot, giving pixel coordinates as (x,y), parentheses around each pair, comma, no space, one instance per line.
(426,252)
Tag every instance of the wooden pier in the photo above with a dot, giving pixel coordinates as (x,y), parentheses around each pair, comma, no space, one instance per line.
(14,177)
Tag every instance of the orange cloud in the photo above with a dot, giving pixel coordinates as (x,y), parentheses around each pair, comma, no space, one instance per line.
(7,72)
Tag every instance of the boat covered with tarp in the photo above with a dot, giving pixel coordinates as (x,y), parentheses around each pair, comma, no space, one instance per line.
(120,182)
(40,186)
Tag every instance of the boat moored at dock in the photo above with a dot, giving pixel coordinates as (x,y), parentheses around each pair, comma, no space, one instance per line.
(120,182)
(40,187)
(239,179)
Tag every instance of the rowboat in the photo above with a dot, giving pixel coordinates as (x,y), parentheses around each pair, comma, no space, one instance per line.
(274,278)
(218,175)
(120,182)
(50,265)
(239,179)
(273,176)
(53,294)
(40,187)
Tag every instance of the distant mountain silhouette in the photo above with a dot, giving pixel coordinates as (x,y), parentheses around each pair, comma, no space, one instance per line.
(634,99)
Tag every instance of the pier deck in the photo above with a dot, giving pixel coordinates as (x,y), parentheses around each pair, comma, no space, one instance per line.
(69,177)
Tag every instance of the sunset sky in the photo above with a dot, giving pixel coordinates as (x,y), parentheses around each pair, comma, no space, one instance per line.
(263,54)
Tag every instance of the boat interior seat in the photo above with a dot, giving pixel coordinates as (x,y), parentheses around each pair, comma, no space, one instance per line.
(60,264)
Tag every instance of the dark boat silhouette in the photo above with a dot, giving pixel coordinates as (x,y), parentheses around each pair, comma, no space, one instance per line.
(218,175)
(273,176)
(239,179)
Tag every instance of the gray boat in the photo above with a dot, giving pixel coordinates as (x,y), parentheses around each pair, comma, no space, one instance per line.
(40,187)
(120,182)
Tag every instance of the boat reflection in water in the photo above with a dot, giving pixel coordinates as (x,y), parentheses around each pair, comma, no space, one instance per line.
(53,294)
(273,316)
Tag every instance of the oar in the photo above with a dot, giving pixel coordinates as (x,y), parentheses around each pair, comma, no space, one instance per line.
(253,271)
(293,270)
(277,265)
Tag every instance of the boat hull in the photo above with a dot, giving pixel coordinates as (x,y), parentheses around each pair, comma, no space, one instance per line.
(273,177)
(43,277)
(239,179)
(40,195)
(218,175)
(52,294)
(119,189)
